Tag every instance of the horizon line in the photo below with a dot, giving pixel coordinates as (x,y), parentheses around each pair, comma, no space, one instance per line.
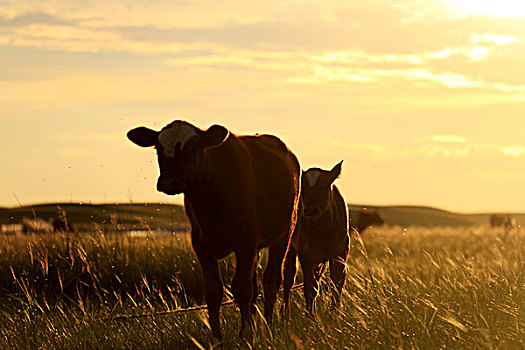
(361,205)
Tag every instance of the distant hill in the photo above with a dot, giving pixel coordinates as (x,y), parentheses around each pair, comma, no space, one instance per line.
(154,215)
(157,215)
(409,215)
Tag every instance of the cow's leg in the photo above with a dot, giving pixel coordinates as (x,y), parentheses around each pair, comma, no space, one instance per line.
(242,285)
(338,276)
(273,277)
(213,289)
(255,286)
(310,282)
(289,271)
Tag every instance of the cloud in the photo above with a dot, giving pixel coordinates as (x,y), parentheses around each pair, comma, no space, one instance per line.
(375,27)
(435,147)
(32,18)
(381,152)
(491,38)
(498,9)
(446,79)
(514,151)
(356,66)
(308,43)
(263,60)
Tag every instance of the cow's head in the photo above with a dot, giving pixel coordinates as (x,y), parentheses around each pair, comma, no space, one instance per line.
(316,189)
(180,148)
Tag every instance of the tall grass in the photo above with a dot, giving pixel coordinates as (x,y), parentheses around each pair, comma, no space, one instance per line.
(419,288)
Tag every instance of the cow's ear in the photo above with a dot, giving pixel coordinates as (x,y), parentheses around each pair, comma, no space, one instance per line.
(143,136)
(214,136)
(335,172)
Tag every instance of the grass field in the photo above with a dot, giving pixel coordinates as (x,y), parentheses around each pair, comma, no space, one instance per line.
(422,288)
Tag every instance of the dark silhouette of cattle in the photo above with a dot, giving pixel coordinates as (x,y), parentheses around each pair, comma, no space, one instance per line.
(362,219)
(60,223)
(321,235)
(35,225)
(502,220)
(241,194)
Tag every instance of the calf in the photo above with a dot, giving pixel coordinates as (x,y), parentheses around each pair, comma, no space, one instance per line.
(321,235)
(241,194)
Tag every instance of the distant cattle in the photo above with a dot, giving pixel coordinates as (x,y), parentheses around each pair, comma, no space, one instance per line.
(321,236)
(502,220)
(241,194)
(60,223)
(362,219)
(35,225)
(11,228)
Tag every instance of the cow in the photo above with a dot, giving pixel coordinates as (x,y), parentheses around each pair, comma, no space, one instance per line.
(321,236)
(502,220)
(241,193)
(362,219)
(60,223)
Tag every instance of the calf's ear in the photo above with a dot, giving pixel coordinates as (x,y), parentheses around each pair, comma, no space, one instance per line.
(214,136)
(143,136)
(335,172)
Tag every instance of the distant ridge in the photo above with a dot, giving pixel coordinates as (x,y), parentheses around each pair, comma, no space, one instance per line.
(414,215)
(163,215)
(152,214)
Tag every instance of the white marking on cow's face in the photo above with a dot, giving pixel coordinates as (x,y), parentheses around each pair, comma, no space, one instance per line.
(175,134)
(312,176)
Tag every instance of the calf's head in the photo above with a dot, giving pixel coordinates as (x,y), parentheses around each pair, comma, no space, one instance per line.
(316,189)
(180,149)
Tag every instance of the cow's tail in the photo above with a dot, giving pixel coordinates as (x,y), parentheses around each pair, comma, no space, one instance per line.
(296,206)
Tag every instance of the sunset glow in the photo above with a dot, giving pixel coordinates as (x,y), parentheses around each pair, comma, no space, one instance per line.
(424,100)
(501,8)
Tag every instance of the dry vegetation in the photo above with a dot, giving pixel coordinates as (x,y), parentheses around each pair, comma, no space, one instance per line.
(420,288)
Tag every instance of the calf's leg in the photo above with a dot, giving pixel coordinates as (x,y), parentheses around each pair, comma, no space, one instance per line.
(338,276)
(310,282)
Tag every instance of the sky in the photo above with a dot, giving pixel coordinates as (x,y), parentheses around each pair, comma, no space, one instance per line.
(424,100)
